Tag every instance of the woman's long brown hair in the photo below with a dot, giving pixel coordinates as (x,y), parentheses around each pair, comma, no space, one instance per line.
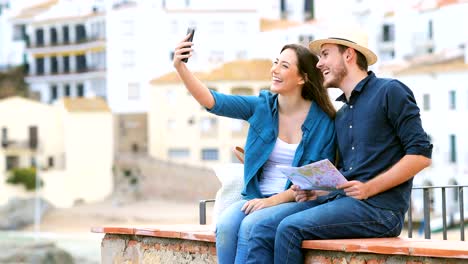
(313,86)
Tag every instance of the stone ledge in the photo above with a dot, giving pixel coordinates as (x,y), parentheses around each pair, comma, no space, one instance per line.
(382,248)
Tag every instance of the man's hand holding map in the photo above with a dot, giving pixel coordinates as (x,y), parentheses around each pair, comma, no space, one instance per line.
(320,175)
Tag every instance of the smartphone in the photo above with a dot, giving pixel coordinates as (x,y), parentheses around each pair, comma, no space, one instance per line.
(190,31)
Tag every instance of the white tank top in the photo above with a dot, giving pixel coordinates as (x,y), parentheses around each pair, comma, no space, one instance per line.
(273,181)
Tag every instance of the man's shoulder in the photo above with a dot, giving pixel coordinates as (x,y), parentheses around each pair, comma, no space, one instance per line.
(389,85)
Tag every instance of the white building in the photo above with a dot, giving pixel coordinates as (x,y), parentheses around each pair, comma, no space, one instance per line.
(13,36)
(70,142)
(144,36)
(66,49)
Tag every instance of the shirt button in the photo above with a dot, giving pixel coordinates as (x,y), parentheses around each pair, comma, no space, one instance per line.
(351,126)
(351,106)
(352,148)
(350,168)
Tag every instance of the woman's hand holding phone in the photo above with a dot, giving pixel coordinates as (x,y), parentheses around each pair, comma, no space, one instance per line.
(184,49)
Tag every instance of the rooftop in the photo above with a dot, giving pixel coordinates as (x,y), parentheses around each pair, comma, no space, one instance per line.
(85,105)
(241,70)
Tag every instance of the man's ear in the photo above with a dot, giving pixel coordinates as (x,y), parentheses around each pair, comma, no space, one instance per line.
(349,53)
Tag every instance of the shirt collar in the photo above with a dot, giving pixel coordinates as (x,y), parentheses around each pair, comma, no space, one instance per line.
(359,87)
(275,104)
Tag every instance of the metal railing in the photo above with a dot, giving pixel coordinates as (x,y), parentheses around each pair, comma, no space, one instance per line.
(429,198)
(430,195)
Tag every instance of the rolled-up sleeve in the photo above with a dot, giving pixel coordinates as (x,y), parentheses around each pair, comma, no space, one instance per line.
(404,114)
(234,106)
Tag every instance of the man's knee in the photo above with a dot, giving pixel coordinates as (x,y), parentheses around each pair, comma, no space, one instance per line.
(287,228)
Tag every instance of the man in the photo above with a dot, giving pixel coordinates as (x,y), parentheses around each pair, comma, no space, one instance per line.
(382,145)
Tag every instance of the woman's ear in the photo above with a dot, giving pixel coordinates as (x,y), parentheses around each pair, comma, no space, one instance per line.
(304,79)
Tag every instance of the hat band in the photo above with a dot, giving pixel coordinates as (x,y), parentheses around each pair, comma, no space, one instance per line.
(344,40)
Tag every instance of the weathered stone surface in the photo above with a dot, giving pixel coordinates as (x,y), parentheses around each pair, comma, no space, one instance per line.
(137,249)
(18,213)
(37,253)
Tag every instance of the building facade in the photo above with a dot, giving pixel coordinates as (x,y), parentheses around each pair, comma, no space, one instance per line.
(70,143)
(66,49)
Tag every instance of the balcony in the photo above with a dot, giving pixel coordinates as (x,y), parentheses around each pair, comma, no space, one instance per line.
(62,47)
(422,43)
(15,146)
(86,73)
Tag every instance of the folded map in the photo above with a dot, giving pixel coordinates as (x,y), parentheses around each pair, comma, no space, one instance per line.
(320,175)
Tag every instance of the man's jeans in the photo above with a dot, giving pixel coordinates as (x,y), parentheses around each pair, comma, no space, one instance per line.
(325,218)
(234,229)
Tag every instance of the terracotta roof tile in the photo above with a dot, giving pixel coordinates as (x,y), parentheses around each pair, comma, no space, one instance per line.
(273,24)
(36,9)
(85,105)
(242,70)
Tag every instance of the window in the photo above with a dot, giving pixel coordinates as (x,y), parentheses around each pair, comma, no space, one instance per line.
(309,9)
(33,135)
(53,36)
(241,26)
(305,39)
(426,102)
(12,162)
(133,91)
(208,124)
(241,54)
(19,32)
(4,137)
(53,93)
(80,90)
(67,90)
(128,58)
(178,153)
(53,65)
(210,154)
(81,63)
(452,100)
(50,162)
(128,28)
(66,35)
(39,37)
(283,6)
(216,56)
(430,29)
(39,66)
(453,149)
(66,64)
(171,124)
(171,97)
(217,27)
(80,33)
(388,32)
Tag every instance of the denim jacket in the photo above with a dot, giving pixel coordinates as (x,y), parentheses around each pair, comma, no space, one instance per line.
(317,143)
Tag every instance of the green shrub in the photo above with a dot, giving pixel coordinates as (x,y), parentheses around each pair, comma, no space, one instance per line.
(25,176)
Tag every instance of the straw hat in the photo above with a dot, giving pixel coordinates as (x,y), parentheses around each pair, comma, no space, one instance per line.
(349,38)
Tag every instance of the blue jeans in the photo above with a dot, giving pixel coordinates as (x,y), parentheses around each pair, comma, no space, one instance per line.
(278,240)
(234,229)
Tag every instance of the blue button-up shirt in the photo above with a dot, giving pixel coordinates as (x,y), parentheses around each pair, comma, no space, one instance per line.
(377,127)
(317,143)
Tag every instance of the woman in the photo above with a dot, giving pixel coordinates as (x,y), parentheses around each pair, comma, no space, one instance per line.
(291,125)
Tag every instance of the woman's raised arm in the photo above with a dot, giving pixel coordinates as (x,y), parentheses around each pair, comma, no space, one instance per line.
(198,90)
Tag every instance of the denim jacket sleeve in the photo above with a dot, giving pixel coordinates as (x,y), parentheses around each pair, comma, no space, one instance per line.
(234,106)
